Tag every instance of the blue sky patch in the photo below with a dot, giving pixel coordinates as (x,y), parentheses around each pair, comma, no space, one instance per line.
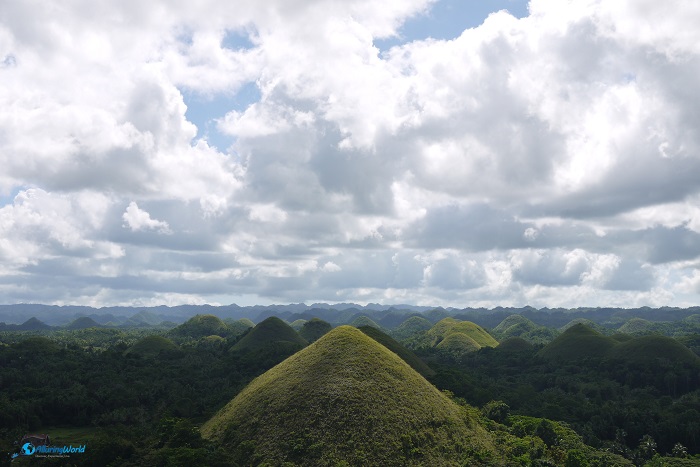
(447,19)
(204,110)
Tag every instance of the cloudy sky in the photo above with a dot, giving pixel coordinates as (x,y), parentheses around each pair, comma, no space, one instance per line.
(449,152)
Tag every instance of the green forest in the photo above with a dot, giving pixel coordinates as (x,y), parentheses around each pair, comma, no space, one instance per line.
(398,388)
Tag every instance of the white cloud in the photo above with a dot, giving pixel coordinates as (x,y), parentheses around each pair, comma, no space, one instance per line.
(137,219)
(549,158)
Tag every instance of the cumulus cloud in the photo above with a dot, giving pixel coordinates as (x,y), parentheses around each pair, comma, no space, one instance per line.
(137,219)
(548,160)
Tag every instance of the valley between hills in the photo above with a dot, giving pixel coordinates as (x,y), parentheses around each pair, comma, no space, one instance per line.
(355,387)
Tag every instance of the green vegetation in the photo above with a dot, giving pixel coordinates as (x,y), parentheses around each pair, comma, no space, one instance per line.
(268,332)
(514,344)
(347,400)
(138,395)
(152,346)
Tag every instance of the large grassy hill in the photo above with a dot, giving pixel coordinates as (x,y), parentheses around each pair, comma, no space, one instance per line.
(348,400)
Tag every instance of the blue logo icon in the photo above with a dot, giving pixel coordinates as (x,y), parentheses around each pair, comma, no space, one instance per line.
(28,449)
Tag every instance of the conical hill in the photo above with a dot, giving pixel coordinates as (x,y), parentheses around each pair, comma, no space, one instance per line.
(577,342)
(84,322)
(347,400)
(270,331)
(447,326)
(201,326)
(411,327)
(648,350)
(152,346)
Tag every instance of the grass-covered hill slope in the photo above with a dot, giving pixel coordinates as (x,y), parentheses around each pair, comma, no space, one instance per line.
(270,331)
(406,355)
(579,341)
(456,345)
(151,346)
(201,326)
(347,400)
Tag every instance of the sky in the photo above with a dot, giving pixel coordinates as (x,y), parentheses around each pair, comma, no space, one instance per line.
(443,153)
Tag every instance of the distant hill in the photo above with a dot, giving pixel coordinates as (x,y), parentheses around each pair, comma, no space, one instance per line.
(411,327)
(314,329)
(447,326)
(457,344)
(83,322)
(200,326)
(579,341)
(144,318)
(404,353)
(436,314)
(238,326)
(33,324)
(271,330)
(297,324)
(591,324)
(364,320)
(650,350)
(637,326)
(514,325)
(347,400)
(151,346)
